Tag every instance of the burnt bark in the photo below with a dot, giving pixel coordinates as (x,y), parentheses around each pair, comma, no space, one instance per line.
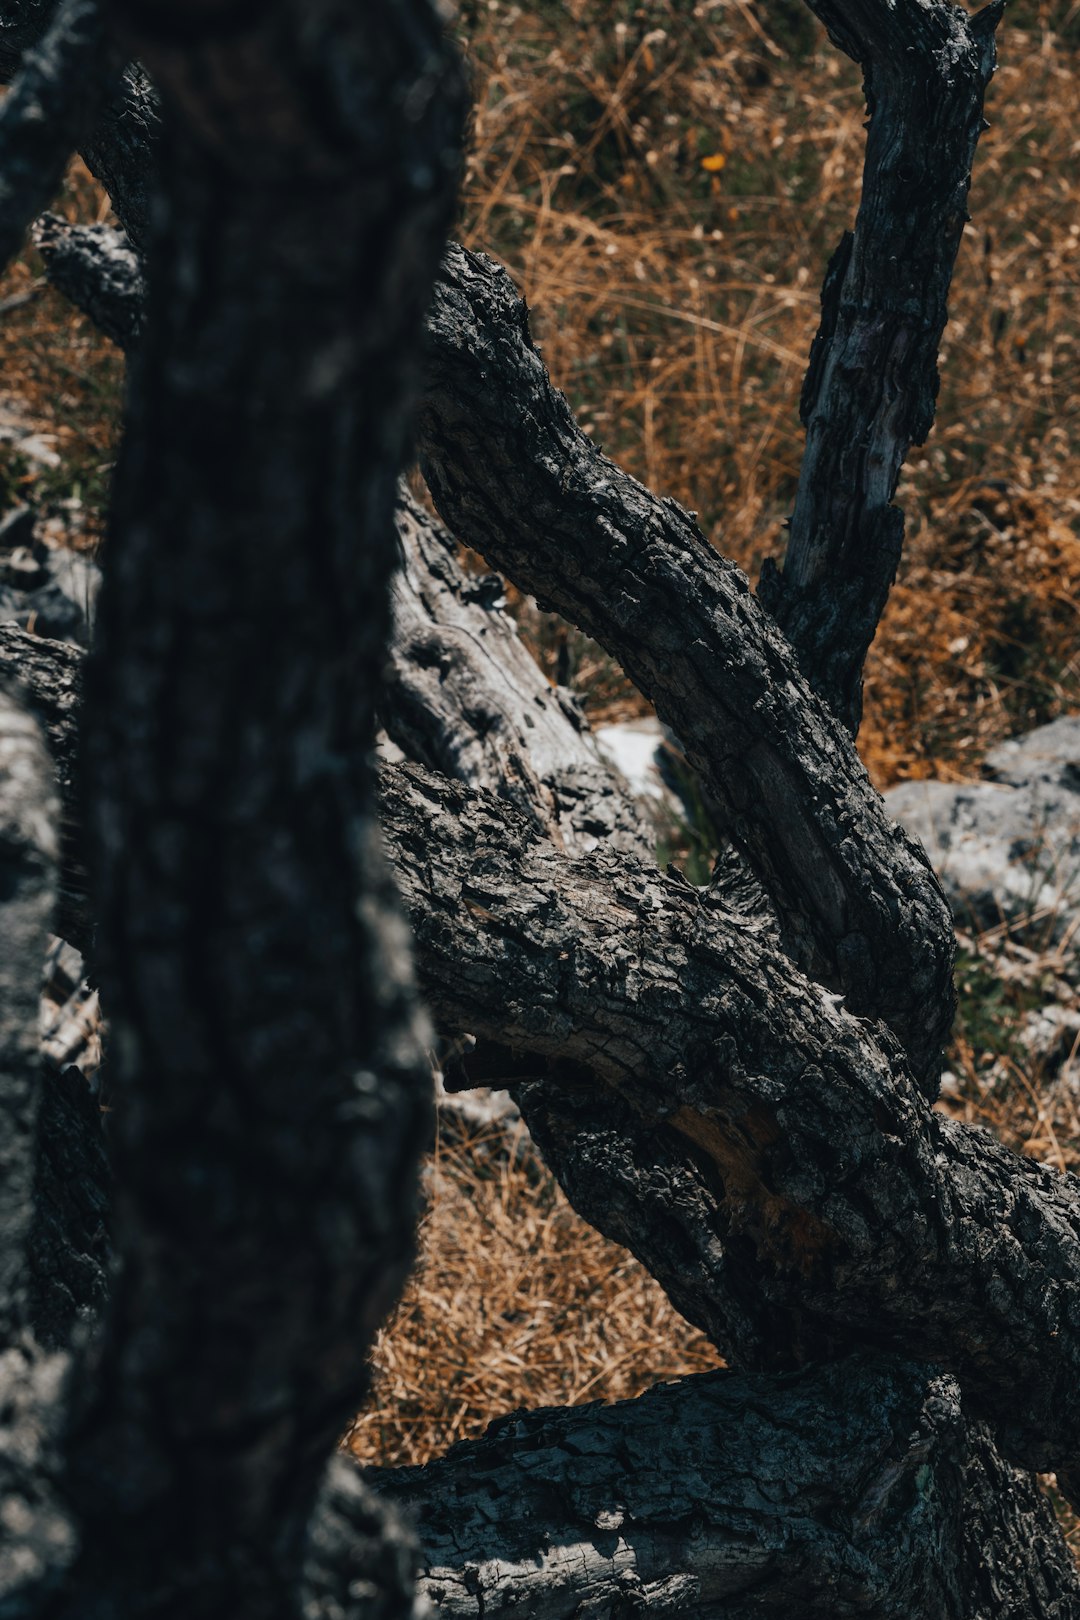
(512,473)
(767,1150)
(767,1155)
(55,101)
(857,1489)
(872,382)
(95,267)
(269,1083)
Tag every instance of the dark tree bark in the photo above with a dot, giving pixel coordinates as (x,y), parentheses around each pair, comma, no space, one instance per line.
(55,102)
(271,1091)
(872,382)
(857,1489)
(688,1065)
(767,1156)
(96,267)
(512,473)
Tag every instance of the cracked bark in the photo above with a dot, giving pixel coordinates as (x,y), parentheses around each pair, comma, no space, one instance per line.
(710,1170)
(464,696)
(872,382)
(271,1093)
(512,474)
(767,1155)
(857,1489)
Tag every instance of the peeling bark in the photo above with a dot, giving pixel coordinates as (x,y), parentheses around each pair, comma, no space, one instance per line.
(465,697)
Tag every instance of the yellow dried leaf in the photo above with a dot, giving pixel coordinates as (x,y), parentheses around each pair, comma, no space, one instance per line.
(713,163)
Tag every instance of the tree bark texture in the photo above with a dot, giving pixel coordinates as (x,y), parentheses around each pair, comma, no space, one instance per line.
(268,1072)
(48,675)
(512,474)
(464,696)
(872,382)
(36,1536)
(856,1489)
(765,1147)
(61,86)
(95,267)
(767,1155)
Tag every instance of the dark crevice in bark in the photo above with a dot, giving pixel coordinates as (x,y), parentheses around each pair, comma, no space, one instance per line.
(872,381)
(68,1249)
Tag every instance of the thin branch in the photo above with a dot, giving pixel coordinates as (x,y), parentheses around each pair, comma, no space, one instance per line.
(872,383)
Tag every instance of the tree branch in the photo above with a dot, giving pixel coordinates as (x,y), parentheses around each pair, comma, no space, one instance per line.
(856,1489)
(96,268)
(464,696)
(58,93)
(513,475)
(764,1153)
(872,381)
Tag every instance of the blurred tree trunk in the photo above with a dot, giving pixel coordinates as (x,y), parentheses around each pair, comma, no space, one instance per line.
(269,1087)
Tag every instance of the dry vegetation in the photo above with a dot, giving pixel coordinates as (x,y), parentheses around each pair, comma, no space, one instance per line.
(666,182)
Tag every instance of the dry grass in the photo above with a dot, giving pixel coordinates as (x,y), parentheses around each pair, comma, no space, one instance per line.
(666,181)
(515,1302)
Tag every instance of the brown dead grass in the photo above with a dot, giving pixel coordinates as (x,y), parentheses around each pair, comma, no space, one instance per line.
(667,182)
(515,1301)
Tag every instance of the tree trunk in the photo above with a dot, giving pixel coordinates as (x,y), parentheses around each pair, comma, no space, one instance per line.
(268,1072)
(856,1489)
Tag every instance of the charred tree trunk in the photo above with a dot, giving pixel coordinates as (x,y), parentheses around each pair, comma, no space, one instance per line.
(269,1082)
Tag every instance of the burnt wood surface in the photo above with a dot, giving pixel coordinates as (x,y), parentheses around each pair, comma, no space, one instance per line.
(269,1083)
(513,475)
(852,1490)
(872,382)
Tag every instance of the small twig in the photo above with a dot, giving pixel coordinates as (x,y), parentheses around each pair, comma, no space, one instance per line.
(28,296)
